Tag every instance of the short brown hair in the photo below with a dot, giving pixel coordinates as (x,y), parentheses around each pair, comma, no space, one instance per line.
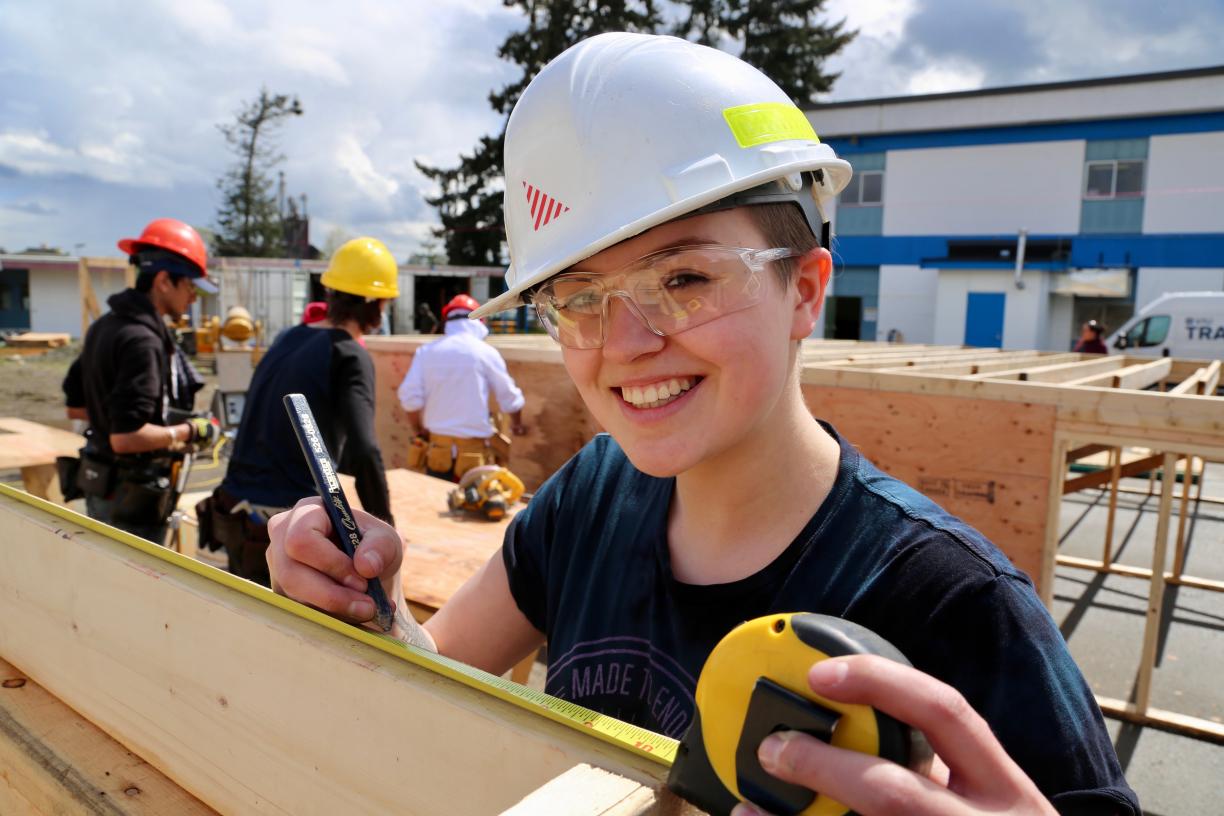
(343,307)
(783,225)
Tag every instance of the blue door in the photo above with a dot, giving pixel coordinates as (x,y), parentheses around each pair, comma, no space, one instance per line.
(984,319)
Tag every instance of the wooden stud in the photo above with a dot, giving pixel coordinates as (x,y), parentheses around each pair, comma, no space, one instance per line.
(1151,631)
(1049,550)
(1115,468)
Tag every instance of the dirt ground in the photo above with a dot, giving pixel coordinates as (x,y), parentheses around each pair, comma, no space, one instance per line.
(30,385)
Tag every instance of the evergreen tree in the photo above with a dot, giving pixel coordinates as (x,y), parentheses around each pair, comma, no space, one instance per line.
(781,37)
(248,220)
(470,202)
(786,41)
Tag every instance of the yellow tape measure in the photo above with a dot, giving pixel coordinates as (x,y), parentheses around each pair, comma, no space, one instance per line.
(609,729)
(755,683)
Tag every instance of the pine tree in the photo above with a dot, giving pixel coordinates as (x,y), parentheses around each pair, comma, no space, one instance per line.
(248,220)
(470,202)
(781,37)
(785,40)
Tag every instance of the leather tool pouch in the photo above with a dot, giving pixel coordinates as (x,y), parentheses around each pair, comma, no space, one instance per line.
(95,475)
(438,459)
(143,496)
(466,462)
(228,529)
(416,454)
(205,538)
(67,468)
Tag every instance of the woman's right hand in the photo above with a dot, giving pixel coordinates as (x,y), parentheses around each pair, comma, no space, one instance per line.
(306,565)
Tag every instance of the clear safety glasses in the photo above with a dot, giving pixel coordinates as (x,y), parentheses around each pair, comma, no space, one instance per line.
(670,291)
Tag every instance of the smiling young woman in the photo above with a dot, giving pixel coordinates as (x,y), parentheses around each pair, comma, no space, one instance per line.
(665,211)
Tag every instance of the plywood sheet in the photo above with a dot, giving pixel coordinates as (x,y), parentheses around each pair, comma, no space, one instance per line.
(444,549)
(24,443)
(987,462)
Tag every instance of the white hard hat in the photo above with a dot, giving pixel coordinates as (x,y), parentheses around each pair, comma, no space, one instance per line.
(623,132)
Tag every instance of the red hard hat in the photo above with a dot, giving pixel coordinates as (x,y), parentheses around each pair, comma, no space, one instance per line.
(314,312)
(465,303)
(173,235)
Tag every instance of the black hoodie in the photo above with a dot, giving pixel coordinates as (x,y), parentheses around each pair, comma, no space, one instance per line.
(124,369)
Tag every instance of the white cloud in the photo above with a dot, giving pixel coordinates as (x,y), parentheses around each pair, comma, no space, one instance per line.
(109,119)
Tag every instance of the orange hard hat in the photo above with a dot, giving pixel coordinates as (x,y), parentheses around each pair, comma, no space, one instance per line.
(172,235)
(460,303)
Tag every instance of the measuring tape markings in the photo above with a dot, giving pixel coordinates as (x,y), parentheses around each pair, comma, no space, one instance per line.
(616,732)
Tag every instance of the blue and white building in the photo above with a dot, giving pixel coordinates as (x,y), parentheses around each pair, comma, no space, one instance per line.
(1006,217)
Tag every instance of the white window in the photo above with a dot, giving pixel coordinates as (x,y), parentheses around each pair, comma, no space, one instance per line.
(866,189)
(1114,178)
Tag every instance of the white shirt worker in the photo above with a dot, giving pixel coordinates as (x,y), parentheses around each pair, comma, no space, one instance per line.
(450,379)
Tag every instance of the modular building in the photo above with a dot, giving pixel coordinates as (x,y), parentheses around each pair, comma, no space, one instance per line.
(48,293)
(1006,217)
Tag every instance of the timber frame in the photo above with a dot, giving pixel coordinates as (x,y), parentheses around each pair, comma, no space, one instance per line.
(254,704)
(988,434)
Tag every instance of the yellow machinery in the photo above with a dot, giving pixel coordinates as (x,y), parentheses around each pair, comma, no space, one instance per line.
(488,490)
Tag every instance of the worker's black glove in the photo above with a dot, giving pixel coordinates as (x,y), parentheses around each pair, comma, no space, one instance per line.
(205,431)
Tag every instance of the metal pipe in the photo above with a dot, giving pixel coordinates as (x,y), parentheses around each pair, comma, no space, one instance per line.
(1021,242)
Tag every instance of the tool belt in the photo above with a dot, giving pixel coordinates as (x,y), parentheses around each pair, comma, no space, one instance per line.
(225,520)
(449,457)
(141,486)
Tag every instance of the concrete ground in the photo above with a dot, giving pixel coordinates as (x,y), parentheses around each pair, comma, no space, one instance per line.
(1102,617)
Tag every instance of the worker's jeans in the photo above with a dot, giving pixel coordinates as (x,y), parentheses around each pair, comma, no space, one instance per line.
(102,510)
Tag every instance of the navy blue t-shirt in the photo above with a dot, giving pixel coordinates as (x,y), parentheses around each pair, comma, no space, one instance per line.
(588,565)
(336,376)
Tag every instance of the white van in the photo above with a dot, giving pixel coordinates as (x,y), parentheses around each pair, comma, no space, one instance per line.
(1176,324)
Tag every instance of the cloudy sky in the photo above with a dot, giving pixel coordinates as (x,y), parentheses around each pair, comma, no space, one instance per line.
(109,109)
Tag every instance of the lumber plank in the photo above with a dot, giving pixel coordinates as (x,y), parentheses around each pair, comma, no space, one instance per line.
(253,703)
(1056,372)
(986,462)
(1211,380)
(1191,384)
(1103,477)
(1007,361)
(587,791)
(52,760)
(30,444)
(1139,375)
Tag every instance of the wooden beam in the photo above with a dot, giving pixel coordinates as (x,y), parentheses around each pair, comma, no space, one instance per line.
(1196,727)
(1211,380)
(1139,375)
(256,704)
(1103,477)
(587,791)
(1056,373)
(1084,451)
(1005,363)
(1190,385)
(54,761)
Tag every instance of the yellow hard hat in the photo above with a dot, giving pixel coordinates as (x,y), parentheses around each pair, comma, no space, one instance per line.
(363,266)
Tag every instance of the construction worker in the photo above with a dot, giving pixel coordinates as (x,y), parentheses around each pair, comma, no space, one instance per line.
(325,361)
(679,274)
(130,379)
(446,395)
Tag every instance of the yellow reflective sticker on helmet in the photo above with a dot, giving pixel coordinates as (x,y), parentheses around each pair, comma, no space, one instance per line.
(768,122)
